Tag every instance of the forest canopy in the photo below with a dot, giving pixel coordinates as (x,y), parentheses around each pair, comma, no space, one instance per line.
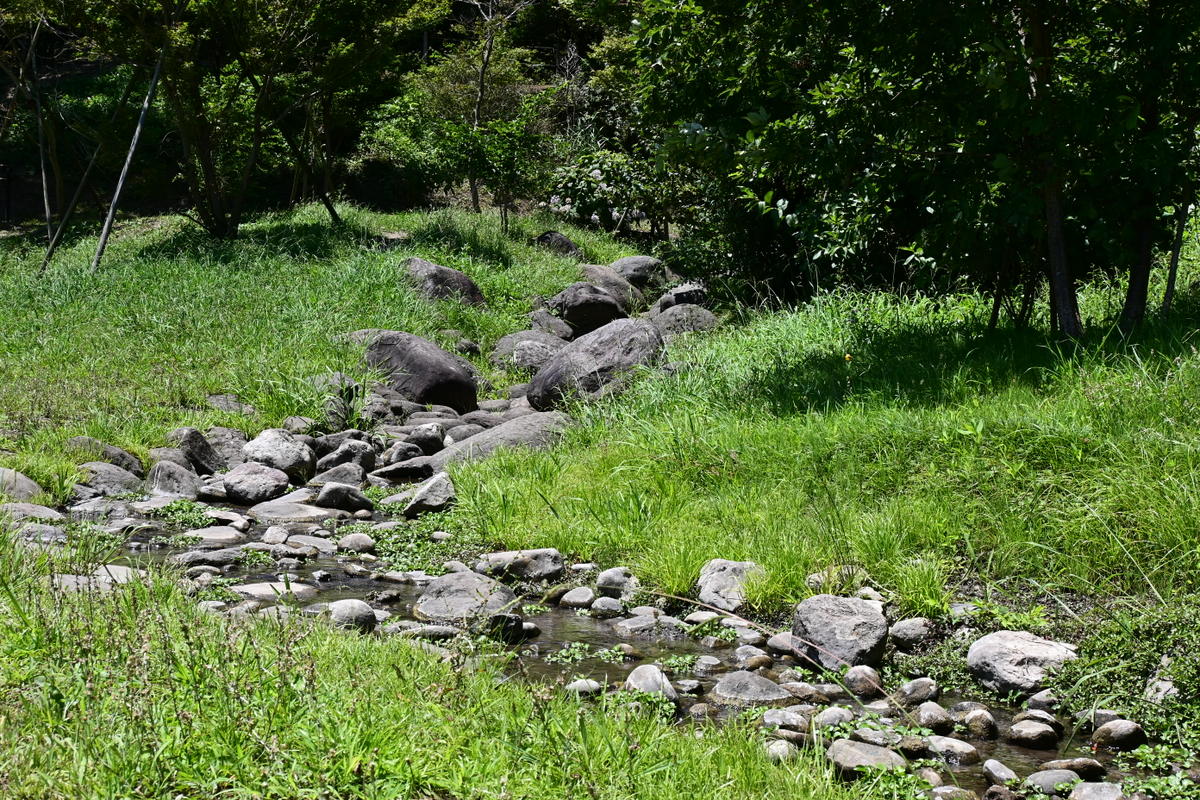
(784,146)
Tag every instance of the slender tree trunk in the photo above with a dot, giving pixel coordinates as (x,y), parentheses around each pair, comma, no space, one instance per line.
(1181,218)
(1065,300)
(485,63)
(35,89)
(137,134)
(1136,294)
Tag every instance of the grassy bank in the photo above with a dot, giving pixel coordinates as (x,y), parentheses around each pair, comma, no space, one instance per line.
(131,352)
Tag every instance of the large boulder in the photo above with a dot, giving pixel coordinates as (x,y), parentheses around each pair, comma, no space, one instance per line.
(596,364)
(743,688)
(17,486)
(443,283)
(526,350)
(168,479)
(644,272)
(850,756)
(628,296)
(97,450)
(295,508)
(684,319)
(585,307)
(198,450)
(840,631)
(228,444)
(284,451)
(722,583)
(545,564)
(1016,661)
(536,431)
(423,372)
(559,243)
(109,479)
(463,596)
(251,483)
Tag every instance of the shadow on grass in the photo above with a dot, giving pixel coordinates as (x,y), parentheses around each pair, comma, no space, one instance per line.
(301,240)
(475,235)
(931,362)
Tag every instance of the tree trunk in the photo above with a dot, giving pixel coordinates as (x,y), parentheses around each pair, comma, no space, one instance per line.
(137,134)
(1136,294)
(1065,301)
(1181,218)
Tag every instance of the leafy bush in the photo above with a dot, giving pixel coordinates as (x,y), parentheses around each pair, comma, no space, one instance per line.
(1132,648)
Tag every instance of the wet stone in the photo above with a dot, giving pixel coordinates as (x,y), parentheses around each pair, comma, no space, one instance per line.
(1034,735)
(953,751)
(1047,781)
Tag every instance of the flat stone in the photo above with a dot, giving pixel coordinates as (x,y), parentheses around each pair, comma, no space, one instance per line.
(849,757)
(217,536)
(544,564)
(742,688)
(954,752)
(1047,781)
(463,596)
(294,508)
(278,590)
(655,628)
(16,512)
(1096,791)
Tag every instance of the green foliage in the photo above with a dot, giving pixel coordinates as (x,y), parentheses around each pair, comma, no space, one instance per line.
(184,514)
(1124,652)
(611,655)
(634,702)
(715,629)
(255,559)
(891,783)
(680,663)
(572,653)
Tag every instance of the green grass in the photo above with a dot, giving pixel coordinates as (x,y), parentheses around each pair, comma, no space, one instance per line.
(936,455)
(132,352)
(138,695)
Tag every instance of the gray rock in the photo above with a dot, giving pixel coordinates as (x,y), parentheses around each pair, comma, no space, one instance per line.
(743,688)
(607,608)
(617,582)
(955,752)
(228,444)
(224,557)
(1047,781)
(353,614)
(659,628)
(980,724)
(722,583)
(644,272)
(1096,791)
(421,371)
(319,543)
(1087,768)
(343,497)
(530,565)
(1034,735)
(681,319)
(283,451)
(849,757)
(1119,734)
(17,486)
(351,451)
(1042,701)
(462,596)
(356,543)
(251,483)
(863,681)
(428,437)
(536,431)
(196,448)
(172,480)
(230,404)
(1016,661)
(293,508)
(526,350)
(434,495)
(443,283)
(583,687)
(839,631)
(108,479)
(649,678)
(349,474)
(96,450)
(276,590)
(559,243)
(585,307)
(217,536)
(628,296)
(909,634)
(831,717)
(597,364)
(543,321)
(932,716)
(998,773)
(579,597)
(780,750)
(918,691)
(171,454)
(685,293)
